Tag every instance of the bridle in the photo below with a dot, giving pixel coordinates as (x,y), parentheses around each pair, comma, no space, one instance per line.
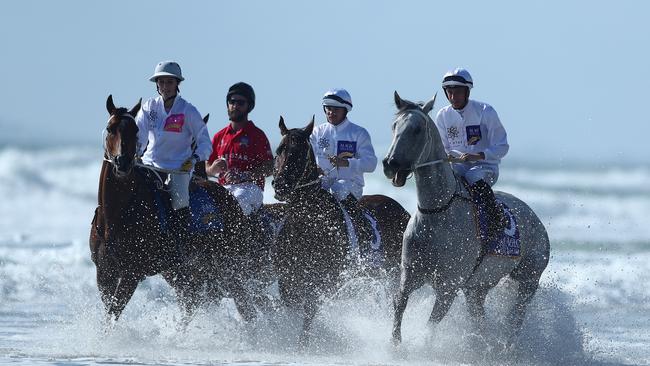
(112,159)
(417,164)
(306,170)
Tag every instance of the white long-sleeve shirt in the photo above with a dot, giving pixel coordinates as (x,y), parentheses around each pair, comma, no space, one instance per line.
(330,140)
(167,137)
(474,129)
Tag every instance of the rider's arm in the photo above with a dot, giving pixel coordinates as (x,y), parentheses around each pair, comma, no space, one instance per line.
(366,160)
(200,134)
(497,137)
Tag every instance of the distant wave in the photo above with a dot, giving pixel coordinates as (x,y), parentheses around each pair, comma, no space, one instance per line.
(577,203)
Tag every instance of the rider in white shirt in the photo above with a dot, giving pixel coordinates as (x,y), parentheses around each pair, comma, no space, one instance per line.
(344,153)
(474,138)
(167,126)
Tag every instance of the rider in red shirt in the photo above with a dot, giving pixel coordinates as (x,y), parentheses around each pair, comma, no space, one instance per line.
(241,154)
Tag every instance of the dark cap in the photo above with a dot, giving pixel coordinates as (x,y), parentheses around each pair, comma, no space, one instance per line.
(245,91)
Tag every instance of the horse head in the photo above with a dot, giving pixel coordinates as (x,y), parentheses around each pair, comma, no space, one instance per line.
(120,146)
(295,163)
(413,130)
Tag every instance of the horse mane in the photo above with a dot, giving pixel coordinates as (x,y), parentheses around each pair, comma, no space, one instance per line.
(300,133)
(120,111)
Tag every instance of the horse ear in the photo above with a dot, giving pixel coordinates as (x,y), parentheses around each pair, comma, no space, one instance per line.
(206,118)
(283,128)
(429,105)
(110,106)
(310,126)
(136,108)
(399,103)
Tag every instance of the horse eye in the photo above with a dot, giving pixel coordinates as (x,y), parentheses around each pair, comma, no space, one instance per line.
(417,130)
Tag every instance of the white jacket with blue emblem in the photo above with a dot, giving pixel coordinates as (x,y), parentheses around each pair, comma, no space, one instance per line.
(474,129)
(329,140)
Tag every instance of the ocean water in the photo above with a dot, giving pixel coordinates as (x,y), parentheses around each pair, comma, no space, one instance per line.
(593,307)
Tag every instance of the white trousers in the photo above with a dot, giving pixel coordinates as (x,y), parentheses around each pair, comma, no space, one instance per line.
(179,188)
(249,196)
(475,172)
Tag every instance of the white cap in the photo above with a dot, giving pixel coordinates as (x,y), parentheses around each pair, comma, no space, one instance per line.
(338,98)
(458,77)
(167,68)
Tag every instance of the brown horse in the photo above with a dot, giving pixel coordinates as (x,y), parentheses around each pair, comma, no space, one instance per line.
(128,241)
(313,247)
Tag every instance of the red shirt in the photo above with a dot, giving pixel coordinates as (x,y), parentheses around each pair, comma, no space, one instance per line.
(243,150)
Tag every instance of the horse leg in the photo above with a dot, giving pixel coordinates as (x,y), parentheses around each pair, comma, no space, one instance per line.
(475,298)
(310,309)
(444,298)
(525,291)
(409,281)
(243,301)
(124,289)
(188,289)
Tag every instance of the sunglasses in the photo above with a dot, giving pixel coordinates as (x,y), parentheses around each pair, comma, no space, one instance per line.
(238,102)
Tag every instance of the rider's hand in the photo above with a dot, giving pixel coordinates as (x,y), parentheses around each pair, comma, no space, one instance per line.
(219,166)
(234,176)
(341,160)
(465,157)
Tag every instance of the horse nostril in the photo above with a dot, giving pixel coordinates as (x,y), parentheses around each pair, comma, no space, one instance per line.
(390,163)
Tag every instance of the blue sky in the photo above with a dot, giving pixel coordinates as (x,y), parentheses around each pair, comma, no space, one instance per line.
(568,78)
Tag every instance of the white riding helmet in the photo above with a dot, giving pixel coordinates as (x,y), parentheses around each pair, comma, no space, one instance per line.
(167,68)
(458,77)
(338,98)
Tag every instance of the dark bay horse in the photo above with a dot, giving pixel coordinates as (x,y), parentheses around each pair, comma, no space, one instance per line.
(312,249)
(128,241)
(441,245)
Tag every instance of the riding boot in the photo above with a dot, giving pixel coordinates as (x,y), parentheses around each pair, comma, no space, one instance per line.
(363,227)
(495,217)
(181,231)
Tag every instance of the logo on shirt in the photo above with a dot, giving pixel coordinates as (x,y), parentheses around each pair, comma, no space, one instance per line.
(174,123)
(323,143)
(152,115)
(346,147)
(453,133)
(473,134)
(244,141)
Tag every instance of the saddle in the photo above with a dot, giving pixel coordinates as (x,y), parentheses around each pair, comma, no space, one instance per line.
(205,211)
(497,230)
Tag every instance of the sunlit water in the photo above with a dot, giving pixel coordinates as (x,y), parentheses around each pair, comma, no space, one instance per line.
(592,307)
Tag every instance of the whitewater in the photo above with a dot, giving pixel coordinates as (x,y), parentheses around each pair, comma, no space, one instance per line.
(592,308)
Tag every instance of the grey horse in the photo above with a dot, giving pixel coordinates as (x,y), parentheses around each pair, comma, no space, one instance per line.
(440,244)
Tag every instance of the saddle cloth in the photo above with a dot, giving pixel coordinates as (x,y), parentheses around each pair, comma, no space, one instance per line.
(507,243)
(206,214)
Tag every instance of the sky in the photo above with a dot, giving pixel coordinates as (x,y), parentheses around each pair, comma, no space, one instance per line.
(567,78)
